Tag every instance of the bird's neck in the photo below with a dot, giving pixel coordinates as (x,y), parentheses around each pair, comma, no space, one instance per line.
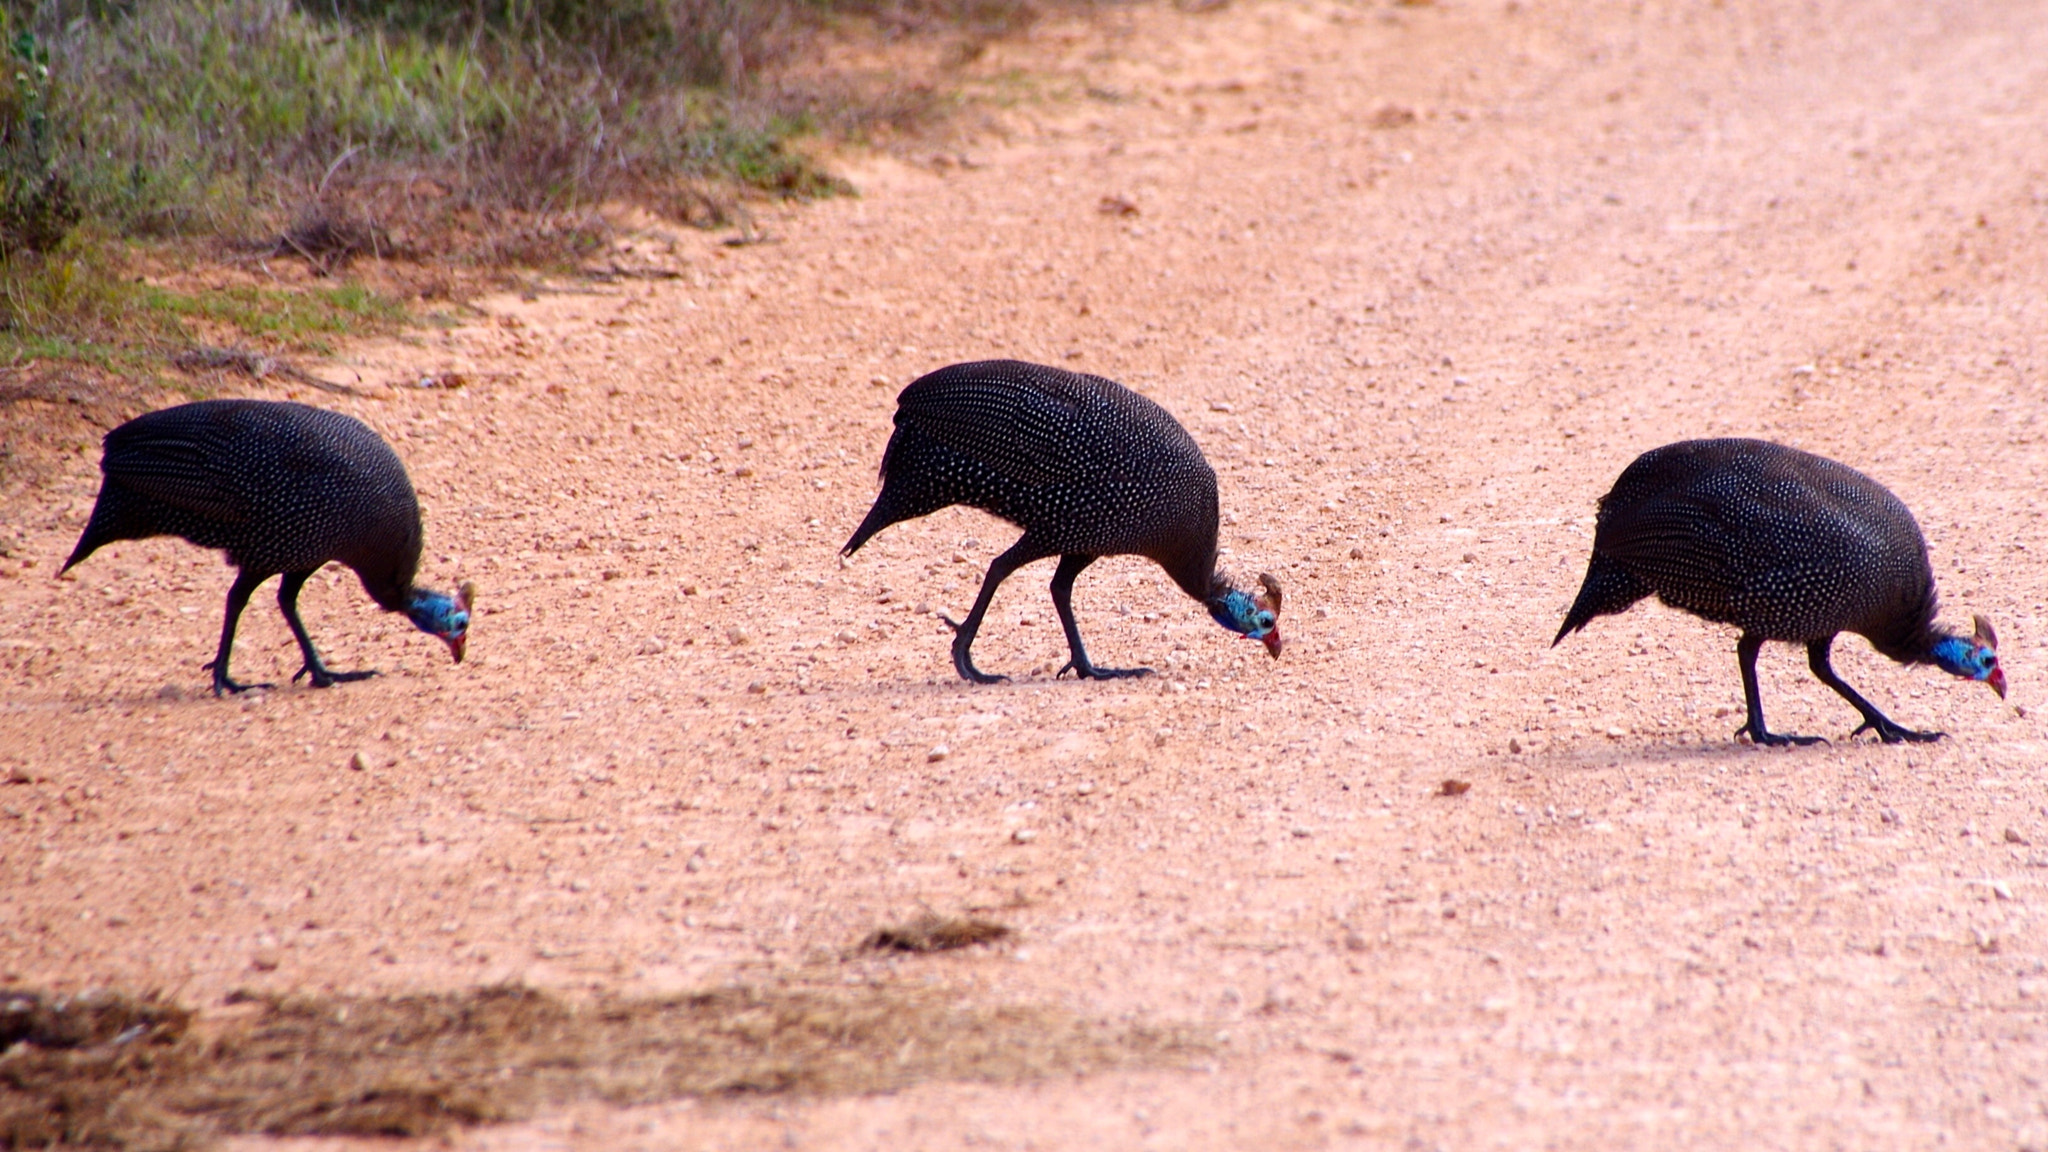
(1214,589)
(393,593)
(1913,634)
(1196,576)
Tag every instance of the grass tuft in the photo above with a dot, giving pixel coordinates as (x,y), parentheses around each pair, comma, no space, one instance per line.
(934,933)
(137,1073)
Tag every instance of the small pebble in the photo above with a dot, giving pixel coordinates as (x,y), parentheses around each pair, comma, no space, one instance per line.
(2012,836)
(357,763)
(1024,835)
(939,752)
(1455,787)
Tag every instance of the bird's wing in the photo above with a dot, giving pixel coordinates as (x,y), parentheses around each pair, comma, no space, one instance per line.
(183,463)
(1672,541)
(1004,417)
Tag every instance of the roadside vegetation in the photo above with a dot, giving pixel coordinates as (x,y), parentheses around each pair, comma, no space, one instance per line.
(137,135)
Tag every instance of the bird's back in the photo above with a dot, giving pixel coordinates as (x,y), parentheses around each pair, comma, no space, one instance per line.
(281,487)
(1779,542)
(1082,462)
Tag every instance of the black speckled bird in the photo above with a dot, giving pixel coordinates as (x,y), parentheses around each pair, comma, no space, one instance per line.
(282,488)
(1784,545)
(1087,467)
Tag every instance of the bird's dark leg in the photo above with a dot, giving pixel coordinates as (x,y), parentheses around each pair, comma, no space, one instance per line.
(288,603)
(1745,654)
(238,599)
(1063,603)
(1021,553)
(1873,720)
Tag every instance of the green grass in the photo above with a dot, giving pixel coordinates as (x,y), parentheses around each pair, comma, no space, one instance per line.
(127,122)
(78,305)
(156,117)
(298,321)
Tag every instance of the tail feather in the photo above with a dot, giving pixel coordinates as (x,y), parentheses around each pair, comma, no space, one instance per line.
(1609,588)
(879,517)
(115,516)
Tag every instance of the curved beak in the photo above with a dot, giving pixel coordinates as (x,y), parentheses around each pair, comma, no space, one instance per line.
(457,643)
(1997,681)
(1273,642)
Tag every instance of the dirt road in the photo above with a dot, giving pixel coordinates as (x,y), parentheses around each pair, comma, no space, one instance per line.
(1421,281)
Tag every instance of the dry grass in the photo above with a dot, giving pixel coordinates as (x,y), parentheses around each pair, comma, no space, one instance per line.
(934,933)
(111,1071)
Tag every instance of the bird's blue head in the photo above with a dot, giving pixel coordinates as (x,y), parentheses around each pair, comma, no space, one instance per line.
(1974,658)
(439,614)
(1257,617)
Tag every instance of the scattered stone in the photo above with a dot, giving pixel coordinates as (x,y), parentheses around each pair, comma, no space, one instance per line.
(264,961)
(1357,552)
(1303,832)
(939,752)
(1024,835)
(757,688)
(1455,787)
(1514,746)
(2012,836)
(357,763)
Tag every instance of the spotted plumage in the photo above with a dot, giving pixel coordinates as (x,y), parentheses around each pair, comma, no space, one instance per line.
(1784,545)
(1085,466)
(281,488)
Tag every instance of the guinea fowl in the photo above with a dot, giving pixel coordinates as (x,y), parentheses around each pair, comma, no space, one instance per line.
(1784,545)
(282,488)
(1087,467)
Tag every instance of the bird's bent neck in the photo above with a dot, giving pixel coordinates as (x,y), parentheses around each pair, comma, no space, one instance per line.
(1913,635)
(391,593)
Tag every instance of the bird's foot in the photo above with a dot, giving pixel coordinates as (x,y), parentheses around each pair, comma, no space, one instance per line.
(324,677)
(223,685)
(1891,733)
(949,621)
(963,663)
(1083,671)
(1757,735)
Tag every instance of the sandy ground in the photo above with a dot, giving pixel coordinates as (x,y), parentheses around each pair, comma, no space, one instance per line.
(1421,281)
